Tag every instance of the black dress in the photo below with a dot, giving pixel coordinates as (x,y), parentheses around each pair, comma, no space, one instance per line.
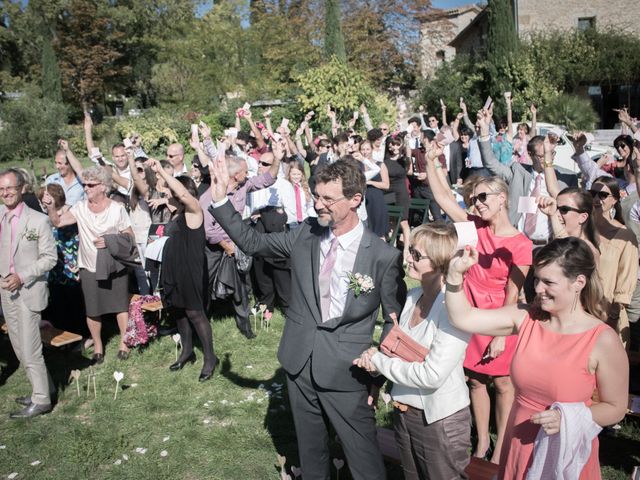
(183,273)
(377,214)
(398,183)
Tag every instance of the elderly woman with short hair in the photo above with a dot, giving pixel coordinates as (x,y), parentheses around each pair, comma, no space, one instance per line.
(96,217)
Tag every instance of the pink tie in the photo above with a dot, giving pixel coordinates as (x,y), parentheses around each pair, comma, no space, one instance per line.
(296,188)
(324,282)
(532,218)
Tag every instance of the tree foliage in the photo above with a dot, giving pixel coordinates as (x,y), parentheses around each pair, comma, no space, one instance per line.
(333,39)
(573,112)
(51,78)
(31,126)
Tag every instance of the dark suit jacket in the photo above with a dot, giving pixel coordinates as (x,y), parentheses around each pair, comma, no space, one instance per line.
(334,344)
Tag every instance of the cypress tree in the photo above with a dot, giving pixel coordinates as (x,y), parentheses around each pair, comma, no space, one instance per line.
(51,79)
(333,39)
(501,37)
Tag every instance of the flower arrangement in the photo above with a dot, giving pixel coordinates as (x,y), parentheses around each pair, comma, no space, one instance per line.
(139,332)
(31,234)
(360,284)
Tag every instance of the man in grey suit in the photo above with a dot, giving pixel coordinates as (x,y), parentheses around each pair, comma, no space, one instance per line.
(330,320)
(27,253)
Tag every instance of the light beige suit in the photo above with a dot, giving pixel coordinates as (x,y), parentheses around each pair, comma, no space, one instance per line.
(34,253)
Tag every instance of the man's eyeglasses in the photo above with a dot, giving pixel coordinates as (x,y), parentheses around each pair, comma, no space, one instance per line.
(482,197)
(91,185)
(327,202)
(600,194)
(564,209)
(174,155)
(416,255)
(9,189)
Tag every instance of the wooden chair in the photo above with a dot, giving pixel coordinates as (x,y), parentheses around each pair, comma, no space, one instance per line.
(420,205)
(395,217)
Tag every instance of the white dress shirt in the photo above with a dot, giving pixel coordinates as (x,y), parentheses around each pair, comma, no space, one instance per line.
(280,194)
(542,231)
(348,245)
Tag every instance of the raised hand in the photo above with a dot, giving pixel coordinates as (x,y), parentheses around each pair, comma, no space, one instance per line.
(219,177)
(64,145)
(309,116)
(623,115)
(205,131)
(533,110)
(47,199)
(463,261)
(547,205)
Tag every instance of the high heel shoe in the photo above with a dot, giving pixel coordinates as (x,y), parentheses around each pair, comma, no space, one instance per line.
(174,367)
(204,376)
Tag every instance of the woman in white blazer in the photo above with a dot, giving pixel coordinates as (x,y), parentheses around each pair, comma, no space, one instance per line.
(431,417)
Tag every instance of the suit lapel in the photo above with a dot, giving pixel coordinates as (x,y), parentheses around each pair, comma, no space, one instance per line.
(362,263)
(22,221)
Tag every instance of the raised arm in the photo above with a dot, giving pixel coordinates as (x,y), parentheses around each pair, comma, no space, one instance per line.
(193,212)
(138,182)
(489,159)
(625,119)
(261,144)
(550,177)
(495,322)
(441,193)
(588,167)
(507,98)
(465,115)
(534,120)
(365,117)
(88,132)
(443,108)
(57,221)
(71,158)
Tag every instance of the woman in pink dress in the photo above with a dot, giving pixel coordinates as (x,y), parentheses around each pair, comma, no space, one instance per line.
(564,350)
(505,257)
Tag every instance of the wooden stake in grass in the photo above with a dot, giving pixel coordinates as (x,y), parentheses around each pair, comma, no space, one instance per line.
(176,338)
(262,308)
(338,463)
(118,376)
(75,375)
(254,312)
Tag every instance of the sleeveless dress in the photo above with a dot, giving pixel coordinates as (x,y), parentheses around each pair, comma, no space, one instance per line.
(184,274)
(547,367)
(485,285)
(398,183)
(377,214)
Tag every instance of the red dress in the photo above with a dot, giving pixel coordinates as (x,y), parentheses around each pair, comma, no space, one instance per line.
(485,285)
(547,367)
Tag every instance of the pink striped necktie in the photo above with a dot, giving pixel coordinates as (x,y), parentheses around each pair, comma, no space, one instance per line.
(324,282)
(297,191)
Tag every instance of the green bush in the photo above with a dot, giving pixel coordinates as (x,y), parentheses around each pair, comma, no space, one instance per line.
(30,127)
(573,112)
(158,130)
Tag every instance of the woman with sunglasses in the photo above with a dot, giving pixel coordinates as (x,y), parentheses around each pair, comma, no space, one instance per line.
(431,417)
(505,257)
(619,259)
(564,352)
(570,214)
(622,170)
(96,217)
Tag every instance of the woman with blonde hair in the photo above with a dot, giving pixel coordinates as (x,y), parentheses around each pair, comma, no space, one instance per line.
(303,198)
(96,217)
(505,258)
(431,417)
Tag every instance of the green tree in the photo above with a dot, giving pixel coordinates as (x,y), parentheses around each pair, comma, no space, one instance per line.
(502,42)
(51,79)
(573,112)
(333,39)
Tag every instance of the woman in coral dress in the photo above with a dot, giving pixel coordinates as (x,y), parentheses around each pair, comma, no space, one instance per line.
(564,350)
(505,255)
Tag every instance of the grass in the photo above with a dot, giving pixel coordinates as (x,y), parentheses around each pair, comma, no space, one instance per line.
(231,427)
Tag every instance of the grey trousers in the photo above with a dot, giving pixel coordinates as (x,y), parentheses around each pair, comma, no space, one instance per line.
(433,451)
(24,334)
(352,419)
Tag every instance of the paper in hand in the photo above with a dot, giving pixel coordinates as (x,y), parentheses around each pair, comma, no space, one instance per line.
(95,152)
(285,123)
(488,103)
(590,138)
(246,107)
(527,205)
(467,234)
(127,143)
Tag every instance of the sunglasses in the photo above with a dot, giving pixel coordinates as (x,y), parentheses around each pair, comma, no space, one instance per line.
(416,255)
(565,209)
(620,145)
(482,197)
(600,194)
(91,185)
(265,164)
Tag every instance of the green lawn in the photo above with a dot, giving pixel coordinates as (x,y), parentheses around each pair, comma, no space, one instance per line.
(231,427)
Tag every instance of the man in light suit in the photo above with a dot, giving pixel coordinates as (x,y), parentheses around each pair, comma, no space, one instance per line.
(27,253)
(329,321)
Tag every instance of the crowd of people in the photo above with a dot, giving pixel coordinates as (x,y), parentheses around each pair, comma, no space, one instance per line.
(541,302)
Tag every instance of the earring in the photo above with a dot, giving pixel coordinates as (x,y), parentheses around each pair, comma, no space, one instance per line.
(575,302)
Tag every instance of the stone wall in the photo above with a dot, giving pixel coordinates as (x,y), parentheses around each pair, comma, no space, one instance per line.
(541,15)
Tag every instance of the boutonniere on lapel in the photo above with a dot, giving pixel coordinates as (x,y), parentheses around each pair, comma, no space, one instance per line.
(30,234)
(360,284)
